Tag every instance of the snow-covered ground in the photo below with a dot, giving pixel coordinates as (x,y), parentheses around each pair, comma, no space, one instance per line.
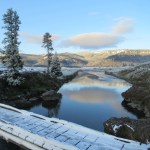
(69,71)
(97,68)
(66,71)
(135,72)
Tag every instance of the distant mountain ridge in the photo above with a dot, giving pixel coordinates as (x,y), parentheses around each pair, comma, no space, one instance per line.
(107,58)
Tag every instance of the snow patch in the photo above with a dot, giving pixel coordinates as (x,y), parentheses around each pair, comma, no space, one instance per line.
(116,127)
(129,127)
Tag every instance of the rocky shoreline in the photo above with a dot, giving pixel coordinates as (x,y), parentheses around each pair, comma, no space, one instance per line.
(138,130)
(137,101)
(37,88)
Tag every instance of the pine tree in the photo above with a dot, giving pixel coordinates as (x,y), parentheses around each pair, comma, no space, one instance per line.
(56,67)
(47,43)
(11,58)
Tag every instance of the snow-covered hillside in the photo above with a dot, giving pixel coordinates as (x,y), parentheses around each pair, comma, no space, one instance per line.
(106,58)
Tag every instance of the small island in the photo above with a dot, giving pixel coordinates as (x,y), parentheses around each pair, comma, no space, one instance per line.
(23,89)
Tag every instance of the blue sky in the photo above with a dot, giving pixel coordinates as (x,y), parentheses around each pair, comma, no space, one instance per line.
(81,25)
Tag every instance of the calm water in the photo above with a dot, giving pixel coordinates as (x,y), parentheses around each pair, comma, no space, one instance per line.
(89,100)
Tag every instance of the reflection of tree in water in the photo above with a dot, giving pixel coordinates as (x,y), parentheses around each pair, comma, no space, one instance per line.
(54,109)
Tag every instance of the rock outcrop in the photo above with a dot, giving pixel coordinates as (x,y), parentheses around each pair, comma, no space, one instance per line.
(136,100)
(138,130)
(51,98)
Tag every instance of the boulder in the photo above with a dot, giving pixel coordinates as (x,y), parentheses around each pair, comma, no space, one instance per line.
(137,99)
(138,130)
(51,95)
(48,93)
(22,104)
(34,100)
(51,100)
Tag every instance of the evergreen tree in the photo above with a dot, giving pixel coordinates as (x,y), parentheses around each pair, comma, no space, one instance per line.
(47,43)
(55,67)
(11,58)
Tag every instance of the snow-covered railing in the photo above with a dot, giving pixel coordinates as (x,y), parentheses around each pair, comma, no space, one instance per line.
(34,131)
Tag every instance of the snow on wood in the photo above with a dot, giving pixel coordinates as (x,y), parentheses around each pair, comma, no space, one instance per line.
(50,133)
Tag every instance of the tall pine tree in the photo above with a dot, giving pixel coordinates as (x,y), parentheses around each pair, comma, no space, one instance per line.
(11,58)
(47,43)
(56,67)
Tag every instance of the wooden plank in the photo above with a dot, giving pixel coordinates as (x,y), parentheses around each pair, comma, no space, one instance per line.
(61,130)
(45,132)
(54,134)
(72,141)
(83,145)
(91,138)
(62,138)
(95,147)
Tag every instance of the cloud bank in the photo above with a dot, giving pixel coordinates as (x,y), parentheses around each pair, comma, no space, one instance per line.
(97,40)
(35,39)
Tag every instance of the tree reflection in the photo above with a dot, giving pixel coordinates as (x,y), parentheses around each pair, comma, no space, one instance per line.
(53,110)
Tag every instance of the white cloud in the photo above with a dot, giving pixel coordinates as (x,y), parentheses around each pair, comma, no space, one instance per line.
(36,39)
(96,40)
(93,40)
(124,25)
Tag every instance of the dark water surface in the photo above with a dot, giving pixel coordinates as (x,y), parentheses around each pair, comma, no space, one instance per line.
(89,100)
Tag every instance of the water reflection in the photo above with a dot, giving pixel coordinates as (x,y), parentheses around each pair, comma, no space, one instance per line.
(102,80)
(54,111)
(85,88)
(92,94)
(51,111)
(89,100)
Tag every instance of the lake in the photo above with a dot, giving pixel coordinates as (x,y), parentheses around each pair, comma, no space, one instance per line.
(89,100)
